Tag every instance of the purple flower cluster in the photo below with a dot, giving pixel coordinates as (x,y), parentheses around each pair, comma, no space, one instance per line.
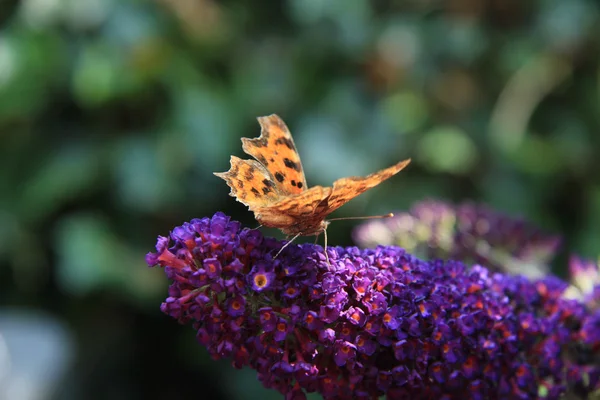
(468,232)
(374,322)
(585,279)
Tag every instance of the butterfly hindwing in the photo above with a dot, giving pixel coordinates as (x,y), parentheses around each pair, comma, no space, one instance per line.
(300,213)
(275,149)
(250,183)
(303,204)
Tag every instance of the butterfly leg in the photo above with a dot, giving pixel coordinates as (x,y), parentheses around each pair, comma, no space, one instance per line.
(258,227)
(325,248)
(286,245)
(317,238)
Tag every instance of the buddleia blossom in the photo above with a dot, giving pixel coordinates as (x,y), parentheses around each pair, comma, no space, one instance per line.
(585,281)
(467,232)
(374,322)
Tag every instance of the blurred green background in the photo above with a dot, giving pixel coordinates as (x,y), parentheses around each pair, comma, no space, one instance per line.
(115,113)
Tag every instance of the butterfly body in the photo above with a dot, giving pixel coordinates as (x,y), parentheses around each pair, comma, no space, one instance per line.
(305,221)
(273,185)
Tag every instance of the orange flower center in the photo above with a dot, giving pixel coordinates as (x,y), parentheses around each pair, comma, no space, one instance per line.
(260,280)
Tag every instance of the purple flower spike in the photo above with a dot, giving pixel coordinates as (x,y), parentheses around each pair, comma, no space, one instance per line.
(378,322)
(585,279)
(467,232)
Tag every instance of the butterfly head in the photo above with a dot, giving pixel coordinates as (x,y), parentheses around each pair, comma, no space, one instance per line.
(322,227)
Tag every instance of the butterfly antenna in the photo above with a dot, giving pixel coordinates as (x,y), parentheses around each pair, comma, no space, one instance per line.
(286,245)
(389,215)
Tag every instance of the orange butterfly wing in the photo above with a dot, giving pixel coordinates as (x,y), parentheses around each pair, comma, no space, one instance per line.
(299,213)
(275,149)
(307,210)
(250,183)
(345,189)
(274,186)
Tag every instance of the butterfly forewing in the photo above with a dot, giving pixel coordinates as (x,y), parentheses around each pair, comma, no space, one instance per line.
(346,189)
(275,149)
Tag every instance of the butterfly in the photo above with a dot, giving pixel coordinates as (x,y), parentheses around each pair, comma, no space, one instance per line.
(273,185)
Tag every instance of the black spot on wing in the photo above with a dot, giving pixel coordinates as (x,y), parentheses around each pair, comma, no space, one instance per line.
(249,174)
(240,184)
(268,183)
(262,141)
(299,185)
(256,192)
(266,190)
(290,164)
(293,182)
(234,170)
(286,142)
(279,176)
